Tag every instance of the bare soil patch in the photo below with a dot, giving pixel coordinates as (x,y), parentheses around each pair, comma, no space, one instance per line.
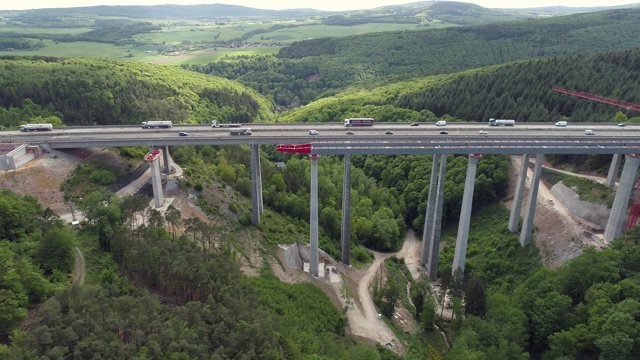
(41,178)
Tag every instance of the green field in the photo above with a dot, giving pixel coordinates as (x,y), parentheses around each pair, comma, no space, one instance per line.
(72,31)
(206,56)
(299,33)
(208,32)
(85,49)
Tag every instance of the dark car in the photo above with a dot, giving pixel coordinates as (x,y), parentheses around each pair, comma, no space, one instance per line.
(349,132)
(389,132)
(414,124)
(183,133)
(444,133)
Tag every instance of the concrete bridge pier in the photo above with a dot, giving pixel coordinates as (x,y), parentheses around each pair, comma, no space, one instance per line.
(313,222)
(617,218)
(530,211)
(256,185)
(165,159)
(346,212)
(434,244)
(428,217)
(460,254)
(153,158)
(612,175)
(259,181)
(516,206)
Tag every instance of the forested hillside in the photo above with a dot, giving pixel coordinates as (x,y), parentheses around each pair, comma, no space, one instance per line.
(523,91)
(215,311)
(307,70)
(520,91)
(106,92)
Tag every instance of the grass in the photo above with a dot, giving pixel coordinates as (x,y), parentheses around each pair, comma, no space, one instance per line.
(298,33)
(587,190)
(83,49)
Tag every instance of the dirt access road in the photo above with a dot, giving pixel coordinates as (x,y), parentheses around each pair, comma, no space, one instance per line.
(560,235)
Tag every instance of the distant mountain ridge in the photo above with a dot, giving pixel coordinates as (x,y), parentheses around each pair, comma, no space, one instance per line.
(223,12)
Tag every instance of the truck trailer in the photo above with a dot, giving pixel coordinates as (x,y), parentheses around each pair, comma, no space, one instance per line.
(216,124)
(36,127)
(157,124)
(501,122)
(240,131)
(359,122)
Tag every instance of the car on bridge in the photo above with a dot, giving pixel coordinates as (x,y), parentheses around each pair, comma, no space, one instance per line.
(389,132)
(349,132)
(182,133)
(414,124)
(444,133)
(589,132)
(483,132)
(313,132)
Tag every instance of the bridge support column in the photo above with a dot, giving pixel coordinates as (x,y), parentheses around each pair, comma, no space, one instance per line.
(530,211)
(346,211)
(153,158)
(165,159)
(313,222)
(434,244)
(617,217)
(460,254)
(516,206)
(259,181)
(431,205)
(255,196)
(612,175)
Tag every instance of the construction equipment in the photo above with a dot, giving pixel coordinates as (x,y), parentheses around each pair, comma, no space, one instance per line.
(614,102)
(295,148)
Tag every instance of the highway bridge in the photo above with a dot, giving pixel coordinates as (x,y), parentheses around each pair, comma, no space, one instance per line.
(472,139)
(332,138)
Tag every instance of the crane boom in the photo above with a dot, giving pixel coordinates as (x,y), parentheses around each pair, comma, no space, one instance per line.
(626,105)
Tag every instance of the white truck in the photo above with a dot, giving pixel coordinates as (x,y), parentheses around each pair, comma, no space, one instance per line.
(240,131)
(36,127)
(157,124)
(216,124)
(501,122)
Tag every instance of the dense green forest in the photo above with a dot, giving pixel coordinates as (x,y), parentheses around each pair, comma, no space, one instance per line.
(523,91)
(214,311)
(106,92)
(308,70)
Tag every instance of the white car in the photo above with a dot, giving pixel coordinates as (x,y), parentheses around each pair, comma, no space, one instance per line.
(483,132)
(313,132)
(589,132)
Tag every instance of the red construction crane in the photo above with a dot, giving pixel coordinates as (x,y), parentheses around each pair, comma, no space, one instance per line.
(626,105)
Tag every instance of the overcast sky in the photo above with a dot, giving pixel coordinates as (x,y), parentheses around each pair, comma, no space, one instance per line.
(296,4)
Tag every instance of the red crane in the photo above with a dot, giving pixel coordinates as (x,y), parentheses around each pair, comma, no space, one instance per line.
(634,211)
(624,104)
